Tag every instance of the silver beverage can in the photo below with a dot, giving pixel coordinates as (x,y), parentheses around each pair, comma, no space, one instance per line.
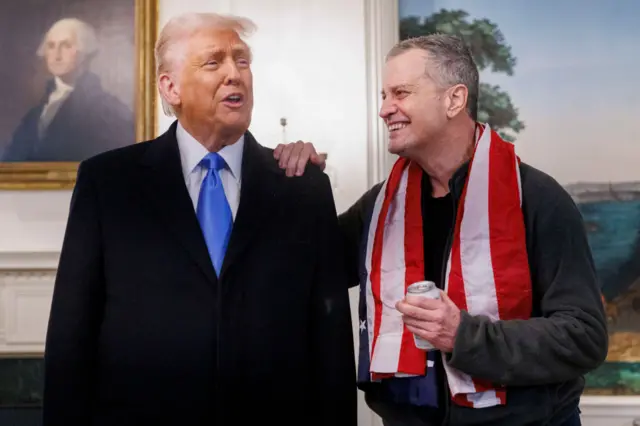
(429,290)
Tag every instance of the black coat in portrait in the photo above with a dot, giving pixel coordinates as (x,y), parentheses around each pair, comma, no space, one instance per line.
(90,121)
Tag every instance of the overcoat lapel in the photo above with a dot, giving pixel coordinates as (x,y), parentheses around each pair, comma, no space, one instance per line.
(163,185)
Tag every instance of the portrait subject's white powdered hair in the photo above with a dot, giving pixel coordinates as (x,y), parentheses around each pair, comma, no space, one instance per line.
(170,48)
(86,39)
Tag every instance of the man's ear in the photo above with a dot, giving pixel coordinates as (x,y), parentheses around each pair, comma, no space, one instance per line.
(456,99)
(169,89)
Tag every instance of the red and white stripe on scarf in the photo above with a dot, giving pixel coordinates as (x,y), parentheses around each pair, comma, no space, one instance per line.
(487,269)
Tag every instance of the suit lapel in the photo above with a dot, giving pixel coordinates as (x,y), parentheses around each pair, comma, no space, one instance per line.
(258,198)
(163,185)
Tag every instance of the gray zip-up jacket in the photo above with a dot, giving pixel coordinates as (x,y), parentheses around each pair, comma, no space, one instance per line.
(541,360)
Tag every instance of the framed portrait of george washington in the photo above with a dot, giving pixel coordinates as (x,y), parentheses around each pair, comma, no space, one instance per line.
(78,80)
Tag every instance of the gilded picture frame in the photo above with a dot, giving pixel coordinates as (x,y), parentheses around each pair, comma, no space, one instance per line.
(57,175)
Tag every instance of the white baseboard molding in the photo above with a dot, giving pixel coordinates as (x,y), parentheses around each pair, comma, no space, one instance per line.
(610,405)
(610,410)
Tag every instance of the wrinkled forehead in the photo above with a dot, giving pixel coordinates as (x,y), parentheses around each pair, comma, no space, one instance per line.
(62,32)
(217,41)
(407,68)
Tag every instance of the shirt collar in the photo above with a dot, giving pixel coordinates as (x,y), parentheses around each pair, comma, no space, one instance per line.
(61,86)
(192,152)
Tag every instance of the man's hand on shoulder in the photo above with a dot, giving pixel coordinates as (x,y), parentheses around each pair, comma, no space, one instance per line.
(294,157)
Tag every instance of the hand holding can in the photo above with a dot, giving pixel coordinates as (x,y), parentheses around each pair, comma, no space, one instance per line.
(426,289)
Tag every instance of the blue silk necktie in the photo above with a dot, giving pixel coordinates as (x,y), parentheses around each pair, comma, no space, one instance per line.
(214,212)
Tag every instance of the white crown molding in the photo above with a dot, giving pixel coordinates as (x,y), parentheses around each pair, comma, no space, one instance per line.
(28,261)
(381,33)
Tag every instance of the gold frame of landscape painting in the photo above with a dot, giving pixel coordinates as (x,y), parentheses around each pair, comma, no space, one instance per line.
(62,175)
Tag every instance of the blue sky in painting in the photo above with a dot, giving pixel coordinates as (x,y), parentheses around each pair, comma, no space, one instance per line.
(575,83)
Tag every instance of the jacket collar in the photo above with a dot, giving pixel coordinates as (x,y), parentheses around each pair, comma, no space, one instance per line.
(164,187)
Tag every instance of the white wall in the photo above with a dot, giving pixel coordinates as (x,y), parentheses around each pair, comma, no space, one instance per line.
(309,67)
(32,221)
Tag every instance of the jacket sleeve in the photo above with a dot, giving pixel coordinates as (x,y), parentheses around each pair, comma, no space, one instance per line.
(568,337)
(352,223)
(76,312)
(333,344)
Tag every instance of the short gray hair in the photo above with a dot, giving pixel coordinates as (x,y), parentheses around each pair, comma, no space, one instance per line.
(85,36)
(451,60)
(182,26)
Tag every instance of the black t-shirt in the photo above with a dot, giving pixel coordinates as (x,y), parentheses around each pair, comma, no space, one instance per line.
(437,221)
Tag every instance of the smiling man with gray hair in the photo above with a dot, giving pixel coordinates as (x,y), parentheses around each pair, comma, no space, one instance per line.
(517,319)
(197,284)
(76,117)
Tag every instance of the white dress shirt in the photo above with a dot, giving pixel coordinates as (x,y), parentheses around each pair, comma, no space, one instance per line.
(192,152)
(56,99)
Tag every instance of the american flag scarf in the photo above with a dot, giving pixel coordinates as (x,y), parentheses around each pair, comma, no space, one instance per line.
(487,268)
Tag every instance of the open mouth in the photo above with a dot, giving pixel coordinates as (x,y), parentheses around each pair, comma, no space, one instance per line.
(397,126)
(234,100)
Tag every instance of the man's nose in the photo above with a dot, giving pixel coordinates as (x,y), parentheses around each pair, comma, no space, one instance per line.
(233,73)
(57,52)
(387,108)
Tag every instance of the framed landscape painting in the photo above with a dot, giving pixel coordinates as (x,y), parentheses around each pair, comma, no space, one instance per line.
(78,81)
(567,95)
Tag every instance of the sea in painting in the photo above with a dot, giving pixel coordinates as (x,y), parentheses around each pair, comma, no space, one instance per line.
(612,217)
